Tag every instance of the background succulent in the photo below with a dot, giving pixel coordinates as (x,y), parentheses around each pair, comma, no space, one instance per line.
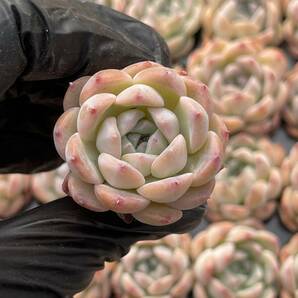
(289,269)
(177,20)
(251,181)
(236,19)
(289,203)
(100,287)
(155,269)
(245,81)
(144,141)
(14,193)
(235,261)
(291,25)
(290,113)
(47,186)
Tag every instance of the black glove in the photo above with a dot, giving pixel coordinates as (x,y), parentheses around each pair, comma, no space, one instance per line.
(53,250)
(44,45)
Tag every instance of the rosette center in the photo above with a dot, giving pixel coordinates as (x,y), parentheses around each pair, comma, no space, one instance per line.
(247,9)
(151,265)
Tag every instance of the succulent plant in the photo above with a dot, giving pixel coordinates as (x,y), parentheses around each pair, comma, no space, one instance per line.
(144,142)
(47,186)
(155,269)
(259,20)
(100,286)
(290,113)
(289,203)
(250,183)
(245,81)
(177,20)
(289,269)
(235,261)
(290,29)
(14,193)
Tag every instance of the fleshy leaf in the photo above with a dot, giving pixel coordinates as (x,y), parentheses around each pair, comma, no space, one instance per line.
(166,190)
(119,173)
(80,161)
(141,161)
(127,120)
(105,81)
(158,215)
(65,127)
(119,200)
(108,138)
(194,123)
(83,194)
(172,160)
(92,113)
(207,162)
(140,95)
(166,121)
(156,143)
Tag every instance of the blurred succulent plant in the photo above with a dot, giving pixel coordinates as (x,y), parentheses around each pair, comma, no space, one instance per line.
(155,269)
(47,186)
(14,194)
(177,20)
(245,81)
(289,203)
(289,269)
(259,20)
(290,113)
(100,287)
(144,141)
(235,261)
(251,181)
(290,29)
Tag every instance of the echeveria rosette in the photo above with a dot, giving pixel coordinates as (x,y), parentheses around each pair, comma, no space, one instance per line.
(251,181)
(144,141)
(235,261)
(155,269)
(176,21)
(259,20)
(289,268)
(290,112)
(245,81)
(47,186)
(14,193)
(289,203)
(100,287)
(290,27)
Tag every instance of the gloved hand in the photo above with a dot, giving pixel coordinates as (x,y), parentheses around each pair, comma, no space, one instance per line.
(44,45)
(53,250)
